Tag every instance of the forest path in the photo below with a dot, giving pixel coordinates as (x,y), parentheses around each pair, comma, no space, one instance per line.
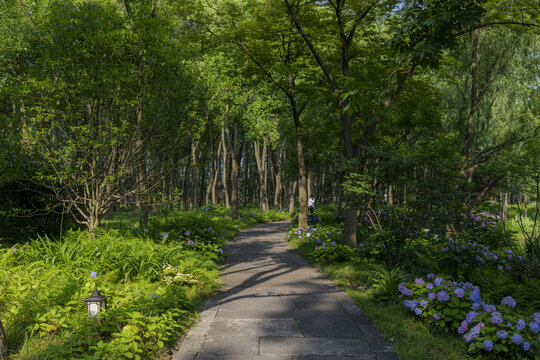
(275,306)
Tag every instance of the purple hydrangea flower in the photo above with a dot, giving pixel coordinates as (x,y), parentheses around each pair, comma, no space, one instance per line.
(438,281)
(516,339)
(499,267)
(418,311)
(190,242)
(93,274)
(509,251)
(432,296)
(501,334)
(430,276)
(164,235)
(459,292)
(443,296)
(419,281)
(424,303)
(488,345)
(464,324)
(461,330)
(436,317)
(490,308)
(470,316)
(429,286)
(520,325)
(496,320)
(316,248)
(509,301)
(333,243)
(187,233)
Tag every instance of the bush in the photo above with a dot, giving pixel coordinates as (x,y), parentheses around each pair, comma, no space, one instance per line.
(458,307)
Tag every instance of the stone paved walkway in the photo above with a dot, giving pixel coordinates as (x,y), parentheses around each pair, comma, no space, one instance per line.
(275,306)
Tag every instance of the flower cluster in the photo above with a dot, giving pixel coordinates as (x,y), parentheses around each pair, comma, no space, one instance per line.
(486,327)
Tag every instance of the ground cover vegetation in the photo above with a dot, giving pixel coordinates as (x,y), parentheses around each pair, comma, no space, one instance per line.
(156,279)
(406,116)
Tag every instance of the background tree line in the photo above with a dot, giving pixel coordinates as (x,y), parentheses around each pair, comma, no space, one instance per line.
(152,104)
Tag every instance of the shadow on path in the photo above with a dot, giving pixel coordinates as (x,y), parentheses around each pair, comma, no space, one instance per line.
(275,306)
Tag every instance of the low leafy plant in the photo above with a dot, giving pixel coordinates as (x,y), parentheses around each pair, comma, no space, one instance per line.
(385,282)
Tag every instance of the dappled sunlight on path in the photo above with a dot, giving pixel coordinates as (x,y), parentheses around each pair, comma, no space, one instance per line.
(275,306)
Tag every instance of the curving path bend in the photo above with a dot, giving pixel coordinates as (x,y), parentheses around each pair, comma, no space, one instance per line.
(274,306)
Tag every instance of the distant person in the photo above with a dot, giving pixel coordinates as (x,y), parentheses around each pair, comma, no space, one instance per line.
(311,204)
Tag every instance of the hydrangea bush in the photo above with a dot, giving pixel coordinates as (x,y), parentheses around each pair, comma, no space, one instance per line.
(458,307)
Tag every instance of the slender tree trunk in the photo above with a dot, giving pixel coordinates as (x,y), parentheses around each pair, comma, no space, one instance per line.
(246,173)
(225,157)
(292,197)
(216,173)
(3,344)
(277,193)
(505,206)
(260,159)
(234,170)
(525,204)
(194,177)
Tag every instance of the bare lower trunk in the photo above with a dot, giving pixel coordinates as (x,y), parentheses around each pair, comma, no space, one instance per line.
(291,198)
(224,173)
(505,206)
(3,345)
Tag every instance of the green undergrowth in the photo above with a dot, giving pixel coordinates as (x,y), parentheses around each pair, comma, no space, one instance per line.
(156,279)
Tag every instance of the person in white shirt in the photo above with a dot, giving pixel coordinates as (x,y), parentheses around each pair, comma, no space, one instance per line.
(311,204)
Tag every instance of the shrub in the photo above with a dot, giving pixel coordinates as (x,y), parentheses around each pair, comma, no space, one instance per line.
(458,307)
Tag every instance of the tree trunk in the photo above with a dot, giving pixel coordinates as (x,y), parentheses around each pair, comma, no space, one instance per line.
(291,199)
(246,173)
(3,344)
(225,162)
(216,173)
(260,159)
(505,206)
(234,169)
(525,203)
(194,177)
(277,193)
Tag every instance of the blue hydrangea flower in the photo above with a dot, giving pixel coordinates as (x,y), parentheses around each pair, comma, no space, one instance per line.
(436,317)
(509,301)
(432,296)
(430,276)
(93,274)
(516,339)
(438,281)
(535,328)
(419,281)
(501,334)
(443,296)
(526,346)
(461,330)
(164,235)
(488,345)
(418,311)
(429,286)
(496,320)
(537,318)
(520,325)
(475,297)
(459,292)
(470,317)
(475,306)
(424,303)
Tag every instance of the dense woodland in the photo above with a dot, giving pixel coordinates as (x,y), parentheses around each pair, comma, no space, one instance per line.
(430,107)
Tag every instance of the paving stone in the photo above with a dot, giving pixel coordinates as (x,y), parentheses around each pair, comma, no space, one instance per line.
(314,346)
(327,326)
(255,327)
(333,357)
(230,345)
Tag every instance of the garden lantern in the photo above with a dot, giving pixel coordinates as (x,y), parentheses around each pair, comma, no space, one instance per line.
(95,303)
